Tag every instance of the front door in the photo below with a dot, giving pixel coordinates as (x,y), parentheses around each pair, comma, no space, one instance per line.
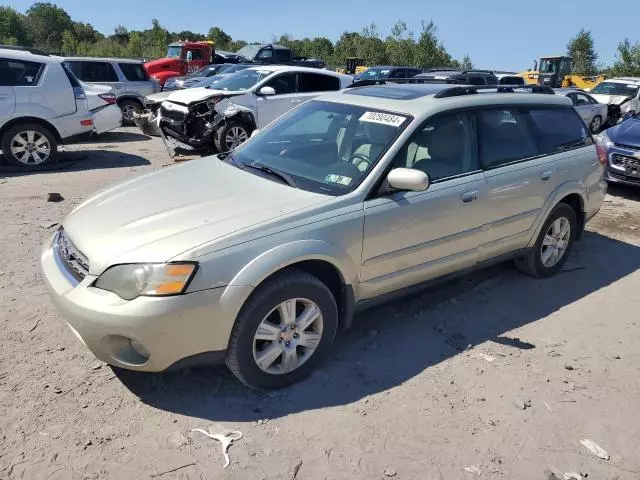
(271,107)
(410,237)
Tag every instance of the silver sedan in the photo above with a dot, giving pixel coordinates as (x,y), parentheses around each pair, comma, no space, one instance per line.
(593,113)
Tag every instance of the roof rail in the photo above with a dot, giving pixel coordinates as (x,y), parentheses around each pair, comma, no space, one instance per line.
(473,70)
(471,90)
(384,81)
(33,51)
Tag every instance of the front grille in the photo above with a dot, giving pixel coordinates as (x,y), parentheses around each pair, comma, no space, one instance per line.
(628,147)
(174,115)
(624,177)
(76,263)
(625,161)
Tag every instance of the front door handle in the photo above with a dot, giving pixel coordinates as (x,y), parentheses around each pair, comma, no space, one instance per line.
(546,176)
(469,197)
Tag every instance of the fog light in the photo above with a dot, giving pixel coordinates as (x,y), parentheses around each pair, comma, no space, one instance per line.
(139,349)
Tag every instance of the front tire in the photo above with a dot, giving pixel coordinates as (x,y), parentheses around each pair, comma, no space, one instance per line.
(128,108)
(283,331)
(29,146)
(231,135)
(553,245)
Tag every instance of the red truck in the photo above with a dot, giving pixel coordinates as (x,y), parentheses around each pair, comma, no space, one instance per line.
(182,59)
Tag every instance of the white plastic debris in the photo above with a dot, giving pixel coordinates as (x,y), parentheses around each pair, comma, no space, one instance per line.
(486,357)
(473,469)
(595,449)
(225,439)
(572,476)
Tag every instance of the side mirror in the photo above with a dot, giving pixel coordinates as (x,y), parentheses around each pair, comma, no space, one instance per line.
(408,179)
(255,132)
(267,91)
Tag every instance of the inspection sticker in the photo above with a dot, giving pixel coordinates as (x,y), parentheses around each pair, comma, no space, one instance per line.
(339,179)
(383,118)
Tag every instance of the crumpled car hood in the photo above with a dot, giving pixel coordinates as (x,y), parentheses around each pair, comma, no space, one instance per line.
(193,95)
(609,99)
(155,217)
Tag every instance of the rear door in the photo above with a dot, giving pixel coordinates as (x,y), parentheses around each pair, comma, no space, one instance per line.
(136,80)
(101,73)
(585,108)
(271,107)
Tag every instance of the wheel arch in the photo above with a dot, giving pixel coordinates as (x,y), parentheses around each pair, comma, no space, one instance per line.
(130,97)
(328,262)
(573,195)
(39,121)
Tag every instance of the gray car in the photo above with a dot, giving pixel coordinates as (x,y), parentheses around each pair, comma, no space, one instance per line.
(128,78)
(258,256)
(593,113)
(208,72)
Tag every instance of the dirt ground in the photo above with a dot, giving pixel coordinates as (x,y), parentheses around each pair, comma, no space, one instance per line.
(493,376)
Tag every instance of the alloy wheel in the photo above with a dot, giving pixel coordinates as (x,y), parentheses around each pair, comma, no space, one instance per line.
(30,147)
(234,137)
(288,336)
(555,242)
(127,111)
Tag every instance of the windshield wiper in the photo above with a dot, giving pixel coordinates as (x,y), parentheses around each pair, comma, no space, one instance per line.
(270,171)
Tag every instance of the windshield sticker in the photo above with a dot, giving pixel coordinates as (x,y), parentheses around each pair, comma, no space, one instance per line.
(383,118)
(339,179)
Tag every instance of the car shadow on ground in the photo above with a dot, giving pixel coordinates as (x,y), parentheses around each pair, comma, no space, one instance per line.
(119,137)
(74,161)
(391,344)
(625,191)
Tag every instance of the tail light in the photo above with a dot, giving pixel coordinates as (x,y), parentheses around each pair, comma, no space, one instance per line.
(602,154)
(110,98)
(79,93)
(86,123)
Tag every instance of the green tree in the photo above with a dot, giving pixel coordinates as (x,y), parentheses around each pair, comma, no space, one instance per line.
(582,50)
(370,46)
(346,46)
(121,35)
(627,59)
(234,45)
(189,35)
(69,43)
(321,47)
(400,45)
(430,53)
(221,38)
(466,63)
(13,30)
(46,23)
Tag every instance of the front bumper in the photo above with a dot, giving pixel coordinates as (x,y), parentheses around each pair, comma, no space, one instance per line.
(619,174)
(170,329)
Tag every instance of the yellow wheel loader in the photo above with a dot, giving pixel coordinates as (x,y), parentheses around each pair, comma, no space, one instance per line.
(555,72)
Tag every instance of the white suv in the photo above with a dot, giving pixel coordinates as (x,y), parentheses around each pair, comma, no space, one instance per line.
(42,104)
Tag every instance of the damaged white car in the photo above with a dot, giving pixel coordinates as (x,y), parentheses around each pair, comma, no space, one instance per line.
(225,114)
(622,95)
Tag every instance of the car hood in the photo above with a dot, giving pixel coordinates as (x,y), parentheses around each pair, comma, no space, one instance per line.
(609,99)
(155,217)
(627,133)
(157,97)
(194,95)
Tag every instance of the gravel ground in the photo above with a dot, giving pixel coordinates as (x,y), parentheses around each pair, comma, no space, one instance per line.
(493,376)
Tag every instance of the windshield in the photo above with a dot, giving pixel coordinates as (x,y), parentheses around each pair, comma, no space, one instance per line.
(374,74)
(206,71)
(324,147)
(242,80)
(174,51)
(617,89)
(549,65)
(249,51)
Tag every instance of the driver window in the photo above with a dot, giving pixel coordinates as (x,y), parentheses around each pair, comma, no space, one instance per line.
(442,147)
(283,84)
(582,100)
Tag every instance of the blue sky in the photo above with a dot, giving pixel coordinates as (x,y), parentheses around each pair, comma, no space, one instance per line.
(498,34)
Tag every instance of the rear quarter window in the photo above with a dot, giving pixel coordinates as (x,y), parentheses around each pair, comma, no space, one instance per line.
(559,129)
(20,73)
(316,82)
(134,72)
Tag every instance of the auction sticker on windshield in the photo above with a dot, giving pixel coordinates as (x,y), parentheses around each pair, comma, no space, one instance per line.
(339,179)
(383,118)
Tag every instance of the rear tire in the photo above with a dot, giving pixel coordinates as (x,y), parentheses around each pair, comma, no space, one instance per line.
(29,146)
(292,353)
(553,245)
(128,107)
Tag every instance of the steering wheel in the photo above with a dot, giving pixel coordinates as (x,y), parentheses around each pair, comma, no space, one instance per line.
(360,160)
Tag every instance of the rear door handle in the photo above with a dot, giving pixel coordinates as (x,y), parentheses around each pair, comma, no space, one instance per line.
(469,197)
(546,176)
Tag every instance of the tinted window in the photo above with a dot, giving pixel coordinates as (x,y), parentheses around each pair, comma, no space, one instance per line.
(582,99)
(315,82)
(441,147)
(282,55)
(265,54)
(559,129)
(195,54)
(283,84)
(17,73)
(476,80)
(504,137)
(94,71)
(492,80)
(134,72)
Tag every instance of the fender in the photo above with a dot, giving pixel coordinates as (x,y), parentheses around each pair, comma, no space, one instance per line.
(564,189)
(282,256)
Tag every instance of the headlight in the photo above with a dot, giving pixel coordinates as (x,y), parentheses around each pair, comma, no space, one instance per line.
(604,140)
(231,110)
(151,279)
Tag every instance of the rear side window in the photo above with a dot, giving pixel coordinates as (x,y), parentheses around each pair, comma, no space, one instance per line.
(19,73)
(504,137)
(315,82)
(476,80)
(134,72)
(559,129)
(283,84)
(282,55)
(92,72)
